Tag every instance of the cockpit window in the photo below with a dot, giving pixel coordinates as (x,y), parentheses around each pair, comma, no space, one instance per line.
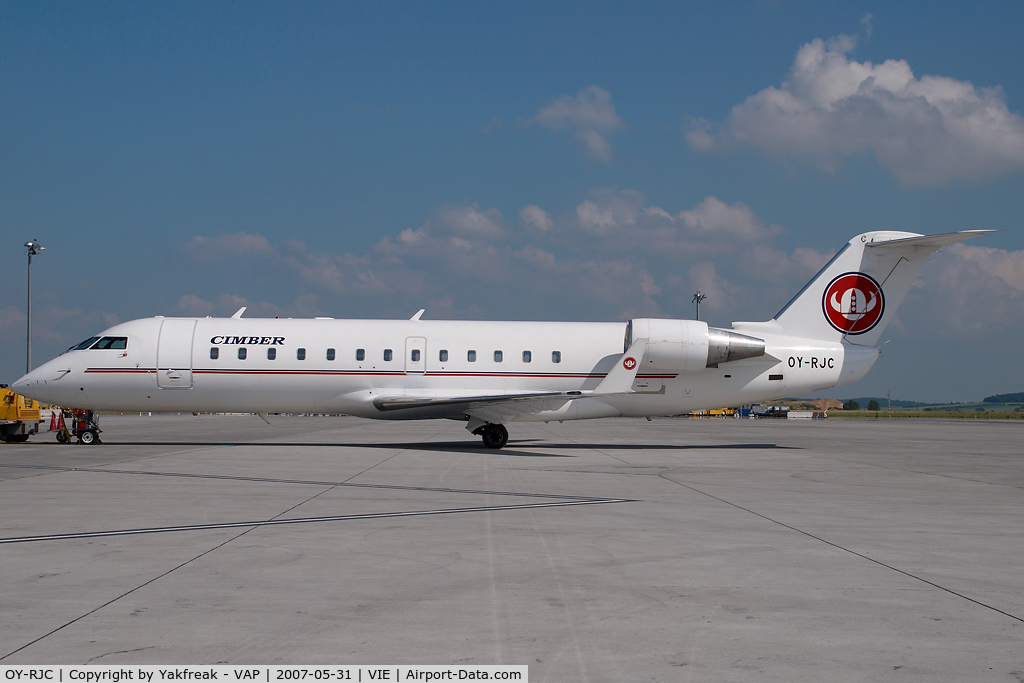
(84,345)
(112,343)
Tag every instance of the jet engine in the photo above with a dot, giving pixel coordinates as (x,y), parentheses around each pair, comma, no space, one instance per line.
(689,345)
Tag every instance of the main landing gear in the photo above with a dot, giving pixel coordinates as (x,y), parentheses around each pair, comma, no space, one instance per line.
(493,435)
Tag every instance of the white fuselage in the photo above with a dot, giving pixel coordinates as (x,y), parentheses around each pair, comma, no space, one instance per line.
(167,365)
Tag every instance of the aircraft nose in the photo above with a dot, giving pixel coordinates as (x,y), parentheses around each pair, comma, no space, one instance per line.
(33,385)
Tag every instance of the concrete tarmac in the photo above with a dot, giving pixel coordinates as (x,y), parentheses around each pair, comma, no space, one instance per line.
(610,550)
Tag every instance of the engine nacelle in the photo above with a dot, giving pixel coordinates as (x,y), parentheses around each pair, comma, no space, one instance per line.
(689,345)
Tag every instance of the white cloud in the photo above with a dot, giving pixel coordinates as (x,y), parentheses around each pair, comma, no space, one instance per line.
(865,24)
(227,304)
(623,220)
(599,220)
(720,292)
(647,284)
(713,217)
(239,244)
(974,289)
(615,255)
(12,325)
(762,262)
(538,257)
(924,130)
(190,304)
(590,115)
(535,217)
(1008,266)
(469,221)
(53,327)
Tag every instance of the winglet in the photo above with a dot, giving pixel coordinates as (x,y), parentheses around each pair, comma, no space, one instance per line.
(239,312)
(418,314)
(620,379)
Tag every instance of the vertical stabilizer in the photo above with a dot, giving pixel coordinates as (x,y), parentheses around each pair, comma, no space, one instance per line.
(857,293)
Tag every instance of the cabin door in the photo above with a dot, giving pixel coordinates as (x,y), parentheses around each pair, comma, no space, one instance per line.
(174,354)
(415,355)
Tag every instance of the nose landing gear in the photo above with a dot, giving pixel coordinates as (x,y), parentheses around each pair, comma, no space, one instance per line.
(493,435)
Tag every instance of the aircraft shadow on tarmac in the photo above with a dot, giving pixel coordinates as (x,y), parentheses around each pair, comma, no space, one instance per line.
(475,447)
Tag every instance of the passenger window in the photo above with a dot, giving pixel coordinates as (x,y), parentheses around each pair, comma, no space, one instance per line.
(471,356)
(497,356)
(300,354)
(387,354)
(330,354)
(214,353)
(527,356)
(556,356)
(443,356)
(360,354)
(415,356)
(271,353)
(241,353)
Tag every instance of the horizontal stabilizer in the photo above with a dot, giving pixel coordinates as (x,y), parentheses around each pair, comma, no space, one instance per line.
(929,242)
(857,293)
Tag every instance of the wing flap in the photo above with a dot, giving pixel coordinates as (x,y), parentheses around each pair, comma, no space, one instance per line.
(386,403)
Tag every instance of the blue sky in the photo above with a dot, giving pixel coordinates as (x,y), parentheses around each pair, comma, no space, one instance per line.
(511,161)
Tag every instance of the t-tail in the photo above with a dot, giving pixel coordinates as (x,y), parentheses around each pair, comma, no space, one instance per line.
(857,293)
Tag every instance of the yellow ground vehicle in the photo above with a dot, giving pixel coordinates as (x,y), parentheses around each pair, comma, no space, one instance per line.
(717,412)
(21,417)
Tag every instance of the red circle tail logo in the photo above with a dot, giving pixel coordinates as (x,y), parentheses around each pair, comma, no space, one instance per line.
(629,363)
(853,303)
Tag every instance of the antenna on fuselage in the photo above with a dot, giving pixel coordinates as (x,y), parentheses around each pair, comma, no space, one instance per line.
(239,312)
(418,314)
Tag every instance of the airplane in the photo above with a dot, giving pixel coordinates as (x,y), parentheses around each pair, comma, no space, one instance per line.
(488,373)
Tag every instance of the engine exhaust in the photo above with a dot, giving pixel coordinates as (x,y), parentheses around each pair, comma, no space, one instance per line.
(725,346)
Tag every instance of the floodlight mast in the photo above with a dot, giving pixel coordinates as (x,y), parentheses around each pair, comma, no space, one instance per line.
(697,298)
(32,248)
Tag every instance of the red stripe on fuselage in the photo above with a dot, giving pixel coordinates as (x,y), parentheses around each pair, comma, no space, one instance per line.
(394,373)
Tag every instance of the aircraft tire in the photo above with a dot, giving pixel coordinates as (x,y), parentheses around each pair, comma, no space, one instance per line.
(494,436)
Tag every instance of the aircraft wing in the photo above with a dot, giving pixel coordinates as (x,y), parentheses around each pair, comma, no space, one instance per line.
(501,407)
(385,403)
(482,408)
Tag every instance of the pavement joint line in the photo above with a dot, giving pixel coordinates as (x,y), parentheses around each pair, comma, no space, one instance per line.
(845,549)
(834,545)
(346,483)
(155,578)
(308,520)
(393,455)
(924,474)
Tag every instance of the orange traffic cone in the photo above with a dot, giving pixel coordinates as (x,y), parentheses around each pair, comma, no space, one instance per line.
(53,421)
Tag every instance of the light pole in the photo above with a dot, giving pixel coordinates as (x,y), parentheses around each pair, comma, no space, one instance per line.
(32,248)
(697,298)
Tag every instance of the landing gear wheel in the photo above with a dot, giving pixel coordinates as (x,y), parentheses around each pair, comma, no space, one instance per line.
(62,437)
(494,435)
(88,437)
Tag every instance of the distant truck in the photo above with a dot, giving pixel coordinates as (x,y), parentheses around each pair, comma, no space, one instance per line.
(759,410)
